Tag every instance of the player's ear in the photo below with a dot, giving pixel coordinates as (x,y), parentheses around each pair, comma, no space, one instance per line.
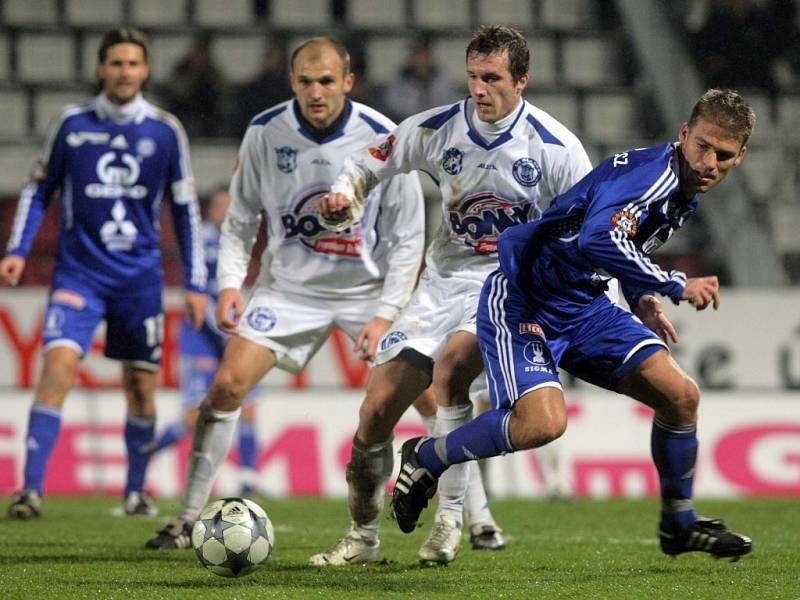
(521,83)
(349,82)
(740,158)
(683,133)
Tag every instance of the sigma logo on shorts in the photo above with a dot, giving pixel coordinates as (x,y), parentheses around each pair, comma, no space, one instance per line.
(626,222)
(527,172)
(452,159)
(482,217)
(383,151)
(392,338)
(262,319)
(537,355)
(54,321)
(287,159)
(118,174)
(532,329)
(301,223)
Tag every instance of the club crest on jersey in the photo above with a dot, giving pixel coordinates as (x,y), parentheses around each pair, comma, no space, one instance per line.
(383,151)
(480,218)
(531,328)
(262,319)
(287,159)
(392,338)
(452,159)
(301,223)
(527,172)
(626,222)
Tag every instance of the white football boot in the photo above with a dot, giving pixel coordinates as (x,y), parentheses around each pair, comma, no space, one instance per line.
(443,542)
(352,549)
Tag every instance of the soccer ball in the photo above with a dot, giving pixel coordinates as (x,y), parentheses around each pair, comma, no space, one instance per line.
(233,537)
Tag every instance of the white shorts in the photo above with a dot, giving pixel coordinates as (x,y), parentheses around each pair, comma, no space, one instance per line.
(295,327)
(439,308)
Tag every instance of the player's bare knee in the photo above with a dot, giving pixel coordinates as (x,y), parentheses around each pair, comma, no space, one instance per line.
(227,392)
(686,400)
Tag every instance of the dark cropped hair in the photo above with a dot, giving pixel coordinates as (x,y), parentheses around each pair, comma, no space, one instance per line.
(491,39)
(726,109)
(337,46)
(121,35)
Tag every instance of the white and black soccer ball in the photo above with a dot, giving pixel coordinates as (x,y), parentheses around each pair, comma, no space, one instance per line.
(233,537)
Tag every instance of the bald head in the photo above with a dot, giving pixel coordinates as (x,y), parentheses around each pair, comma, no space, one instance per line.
(315,50)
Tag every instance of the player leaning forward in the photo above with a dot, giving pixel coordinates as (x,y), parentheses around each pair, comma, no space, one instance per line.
(548,298)
(498,161)
(312,280)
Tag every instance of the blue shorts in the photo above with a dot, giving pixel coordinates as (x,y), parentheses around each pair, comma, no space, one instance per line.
(523,346)
(134,321)
(201,353)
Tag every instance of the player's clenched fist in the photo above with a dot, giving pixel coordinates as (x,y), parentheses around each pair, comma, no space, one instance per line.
(334,208)
(702,291)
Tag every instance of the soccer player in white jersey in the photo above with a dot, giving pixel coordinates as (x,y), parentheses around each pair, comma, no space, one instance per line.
(114,160)
(498,162)
(312,280)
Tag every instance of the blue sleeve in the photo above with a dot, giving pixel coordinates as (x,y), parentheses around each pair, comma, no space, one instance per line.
(46,177)
(185,210)
(607,237)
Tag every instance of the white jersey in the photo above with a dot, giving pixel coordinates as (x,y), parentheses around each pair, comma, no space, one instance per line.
(282,172)
(486,187)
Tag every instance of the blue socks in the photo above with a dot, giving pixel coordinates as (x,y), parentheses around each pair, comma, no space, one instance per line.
(44,425)
(675,454)
(483,437)
(139,432)
(171,435)
(247,446)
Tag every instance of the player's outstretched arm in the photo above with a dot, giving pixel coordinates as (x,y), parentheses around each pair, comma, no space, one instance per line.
(11,268)
(195,306)
(230,305)
(652,315)
(367,341)
(702,291)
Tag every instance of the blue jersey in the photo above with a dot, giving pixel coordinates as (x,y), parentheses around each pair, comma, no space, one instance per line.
(208,340)
(604,226)
(113,167)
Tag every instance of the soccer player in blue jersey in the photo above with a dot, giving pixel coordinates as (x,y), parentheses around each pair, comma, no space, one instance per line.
(545,308)
(201,352)
(114,160)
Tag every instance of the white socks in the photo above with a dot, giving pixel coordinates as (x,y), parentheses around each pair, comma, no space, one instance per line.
(213,438)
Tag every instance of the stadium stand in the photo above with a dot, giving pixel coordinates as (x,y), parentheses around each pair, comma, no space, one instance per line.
(583,72)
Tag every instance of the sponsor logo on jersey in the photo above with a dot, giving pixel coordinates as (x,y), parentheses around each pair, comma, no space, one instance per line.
(287,159)
(626,222)
(78,138)
(452,161)
(302,223)
(118,233)
(118,175)
(537,355)
(262,319)
(383,151)
(531,328)
(527,172)
(68,297)
(482,217)
(392,338)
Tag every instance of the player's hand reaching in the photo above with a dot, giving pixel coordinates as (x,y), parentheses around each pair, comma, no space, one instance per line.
(195,306)
(335,208)
(367,341)
(11,268)
(230,305)
(702,291)
(652,315)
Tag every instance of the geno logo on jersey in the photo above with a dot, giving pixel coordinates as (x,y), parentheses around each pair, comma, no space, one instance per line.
(302,223)
(482,217)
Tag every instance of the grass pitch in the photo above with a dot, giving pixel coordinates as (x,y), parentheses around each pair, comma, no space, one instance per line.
(581,549)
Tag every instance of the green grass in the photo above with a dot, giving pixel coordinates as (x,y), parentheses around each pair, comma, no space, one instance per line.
(581,549)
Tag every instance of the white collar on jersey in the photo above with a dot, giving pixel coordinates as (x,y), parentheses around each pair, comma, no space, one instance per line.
(130,111)
(490,134)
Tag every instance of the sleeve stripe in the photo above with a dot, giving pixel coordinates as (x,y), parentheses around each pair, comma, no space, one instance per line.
(661,188)
(23,210)
(629,251)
